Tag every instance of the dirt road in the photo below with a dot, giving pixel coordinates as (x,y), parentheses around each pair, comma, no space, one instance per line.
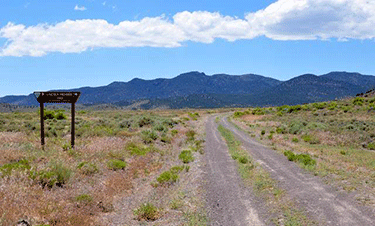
(321,202)
(228,201)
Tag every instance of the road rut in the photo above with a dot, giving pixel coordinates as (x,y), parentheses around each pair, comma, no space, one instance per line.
(320,201)
(228,201)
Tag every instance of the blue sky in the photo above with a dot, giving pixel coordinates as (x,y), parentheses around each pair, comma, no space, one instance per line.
(48,44)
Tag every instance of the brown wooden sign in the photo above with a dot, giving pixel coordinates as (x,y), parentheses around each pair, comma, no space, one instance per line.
(56,97)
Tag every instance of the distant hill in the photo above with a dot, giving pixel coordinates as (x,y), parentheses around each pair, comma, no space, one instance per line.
(308,88)
(198,90)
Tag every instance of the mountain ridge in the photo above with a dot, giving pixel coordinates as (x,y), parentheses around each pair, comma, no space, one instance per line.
(222,89)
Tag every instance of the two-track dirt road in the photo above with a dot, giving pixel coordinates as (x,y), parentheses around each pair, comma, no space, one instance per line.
(229,203)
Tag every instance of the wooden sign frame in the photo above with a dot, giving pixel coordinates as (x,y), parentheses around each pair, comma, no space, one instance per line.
(57,97)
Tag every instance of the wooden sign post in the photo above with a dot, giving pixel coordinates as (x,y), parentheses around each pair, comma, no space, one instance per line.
(56,97)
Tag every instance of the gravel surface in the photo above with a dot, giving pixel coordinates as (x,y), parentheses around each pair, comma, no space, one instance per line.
(228,201)
(321,201)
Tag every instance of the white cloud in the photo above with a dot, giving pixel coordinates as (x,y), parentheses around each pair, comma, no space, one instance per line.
(282,20)
(79,8)
(316,19)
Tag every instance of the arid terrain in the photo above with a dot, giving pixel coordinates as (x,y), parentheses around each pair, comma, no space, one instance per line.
(309,164)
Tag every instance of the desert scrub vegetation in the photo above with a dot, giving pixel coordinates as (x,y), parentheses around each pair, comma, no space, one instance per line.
(117,155)
(147,212)
(186,156)
(262,184)
(338,135)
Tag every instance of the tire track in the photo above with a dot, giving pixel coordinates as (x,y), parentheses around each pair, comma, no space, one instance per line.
(228,202)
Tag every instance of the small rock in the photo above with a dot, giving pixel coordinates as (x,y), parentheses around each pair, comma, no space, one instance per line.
(23,223)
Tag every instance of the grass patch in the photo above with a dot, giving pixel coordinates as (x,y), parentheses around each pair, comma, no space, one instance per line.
(88,168)
(57,175)
(116,164)
(304,159)
(167,177)
(147,212)
(186,156)
(84,199)
(20,165)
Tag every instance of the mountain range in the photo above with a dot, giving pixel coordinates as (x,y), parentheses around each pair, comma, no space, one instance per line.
(198,90)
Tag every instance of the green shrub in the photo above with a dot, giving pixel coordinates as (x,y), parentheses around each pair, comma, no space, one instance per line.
(306,138)
(294,108)
(87,168)
(258,111)
(193,116)
(332,106)
(49,115)
(371,146)
(125,124)
(281,130)
(57,175)
(57,114)
(166,139)
(167,177)
(238,114)
(243,160)
(147,212)
(51,132)
(358,101)
(116,164)
(282,108)
(169,123)
(346,109)
(310,139)
(186,156)
(296,127)
(84,199)
(160,127)
(290,155)
(262,132)
(270,136)
(60,115)
(177,169)
(136,149)
(304,159)
(190,135)
(144,121)
(66,147)
(148,136)
(295,140)
(320,105)
(174,132)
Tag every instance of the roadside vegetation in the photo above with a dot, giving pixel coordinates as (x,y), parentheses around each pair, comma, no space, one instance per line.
(146,160)
(333,140)
(283,209)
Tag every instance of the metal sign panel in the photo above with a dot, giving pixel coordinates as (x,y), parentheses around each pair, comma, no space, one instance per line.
(57,97)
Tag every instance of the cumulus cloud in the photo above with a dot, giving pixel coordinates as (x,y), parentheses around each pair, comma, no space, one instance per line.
(282,20)
(79,8)
(316,19)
